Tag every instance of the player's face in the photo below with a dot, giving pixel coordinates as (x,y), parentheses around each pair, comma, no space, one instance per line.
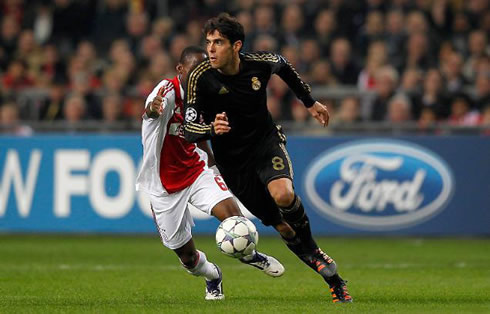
(220,50)
(190,63)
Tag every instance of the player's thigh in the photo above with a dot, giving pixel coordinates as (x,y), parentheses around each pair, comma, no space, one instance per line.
(208,191)
(273,161)
(172,218)
(253,194)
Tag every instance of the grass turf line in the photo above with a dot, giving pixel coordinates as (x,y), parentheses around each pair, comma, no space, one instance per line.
(109,274)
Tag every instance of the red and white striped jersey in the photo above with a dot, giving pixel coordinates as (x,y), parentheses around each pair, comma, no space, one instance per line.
(170,163)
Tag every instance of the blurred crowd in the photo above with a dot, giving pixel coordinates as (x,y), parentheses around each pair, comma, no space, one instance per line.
(424,61)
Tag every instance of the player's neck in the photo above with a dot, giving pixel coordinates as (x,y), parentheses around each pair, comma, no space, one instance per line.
(231,68)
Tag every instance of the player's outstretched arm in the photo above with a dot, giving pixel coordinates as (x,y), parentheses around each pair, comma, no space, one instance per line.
(320,112)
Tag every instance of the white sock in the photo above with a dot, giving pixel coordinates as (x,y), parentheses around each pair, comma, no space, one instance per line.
(204,268)
(250,257)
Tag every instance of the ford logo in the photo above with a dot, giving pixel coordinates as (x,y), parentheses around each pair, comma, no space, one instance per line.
(379,185)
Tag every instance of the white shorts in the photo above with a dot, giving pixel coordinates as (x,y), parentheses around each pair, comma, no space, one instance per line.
(171,212)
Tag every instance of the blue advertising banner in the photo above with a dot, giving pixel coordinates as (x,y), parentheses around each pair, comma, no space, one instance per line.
(417,185)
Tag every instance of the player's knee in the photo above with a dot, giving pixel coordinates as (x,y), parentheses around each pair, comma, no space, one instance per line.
(283,197)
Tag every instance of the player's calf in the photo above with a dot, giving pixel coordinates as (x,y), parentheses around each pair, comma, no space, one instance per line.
(296,217)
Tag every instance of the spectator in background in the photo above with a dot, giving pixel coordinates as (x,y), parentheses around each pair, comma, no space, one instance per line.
(264,22)
(112,109)
(474,9)
(245,18)
(310,53)
(160,66)
(74,111)
(177,44)
(461,113)
(395,37)
(410,86)
(16,77)
(372,31)
(399,109)
(325,30)
(9,121)
(31,54)
(8,36)
(150,46)
(39,18)
(453,74)
(292,24)
(163,28)
(433,94)
(109,23)
(136,28)
(265,43)
(274,107)
(481,95)
(349,111)
(342,65)
(320,74)
(80,85)
(280,91)
(459,33)
(377,58)
(417,53)
(52,67)
(51,108)
(477,46)
(441,17)
(72,21)
(386,83)
(87,54)
(485,119)
(427,120)
(194,33)
(114,81)
(299,112)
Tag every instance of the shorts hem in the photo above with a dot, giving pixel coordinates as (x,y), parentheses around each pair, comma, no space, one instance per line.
(179,244)
(213,204)
(279,176)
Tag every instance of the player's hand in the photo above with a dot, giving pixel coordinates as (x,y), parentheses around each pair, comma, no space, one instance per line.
(220,124)
(320,113)
(155,108)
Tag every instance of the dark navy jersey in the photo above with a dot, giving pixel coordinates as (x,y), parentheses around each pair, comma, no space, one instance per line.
(244,99)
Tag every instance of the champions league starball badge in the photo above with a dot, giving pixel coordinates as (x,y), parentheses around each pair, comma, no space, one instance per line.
(190,114)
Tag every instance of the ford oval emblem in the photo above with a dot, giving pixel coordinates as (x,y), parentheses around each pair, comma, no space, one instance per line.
(379,184)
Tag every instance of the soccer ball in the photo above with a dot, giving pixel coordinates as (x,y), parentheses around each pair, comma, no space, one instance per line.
(237,236)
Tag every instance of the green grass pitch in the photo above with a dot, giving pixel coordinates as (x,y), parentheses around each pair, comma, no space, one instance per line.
(110,274)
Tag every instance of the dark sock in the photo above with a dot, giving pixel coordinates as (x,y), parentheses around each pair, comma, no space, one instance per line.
(333,281)
(295,216)
(295,245)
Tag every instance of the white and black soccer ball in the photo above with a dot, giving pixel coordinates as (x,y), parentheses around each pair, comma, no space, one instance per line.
(237,236)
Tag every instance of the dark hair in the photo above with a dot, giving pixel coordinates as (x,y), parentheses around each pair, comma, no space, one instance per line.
(227,26)
(188,51)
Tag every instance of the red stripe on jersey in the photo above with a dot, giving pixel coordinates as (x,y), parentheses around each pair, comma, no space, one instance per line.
(180,164)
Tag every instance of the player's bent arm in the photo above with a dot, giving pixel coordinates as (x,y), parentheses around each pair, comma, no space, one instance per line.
(289,75)
(197,132)
(157,103)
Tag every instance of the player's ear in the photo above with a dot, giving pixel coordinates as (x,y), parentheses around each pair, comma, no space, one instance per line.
(237,46)
(179,68)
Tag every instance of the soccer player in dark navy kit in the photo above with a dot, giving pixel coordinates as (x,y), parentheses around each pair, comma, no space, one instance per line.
(226,103)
